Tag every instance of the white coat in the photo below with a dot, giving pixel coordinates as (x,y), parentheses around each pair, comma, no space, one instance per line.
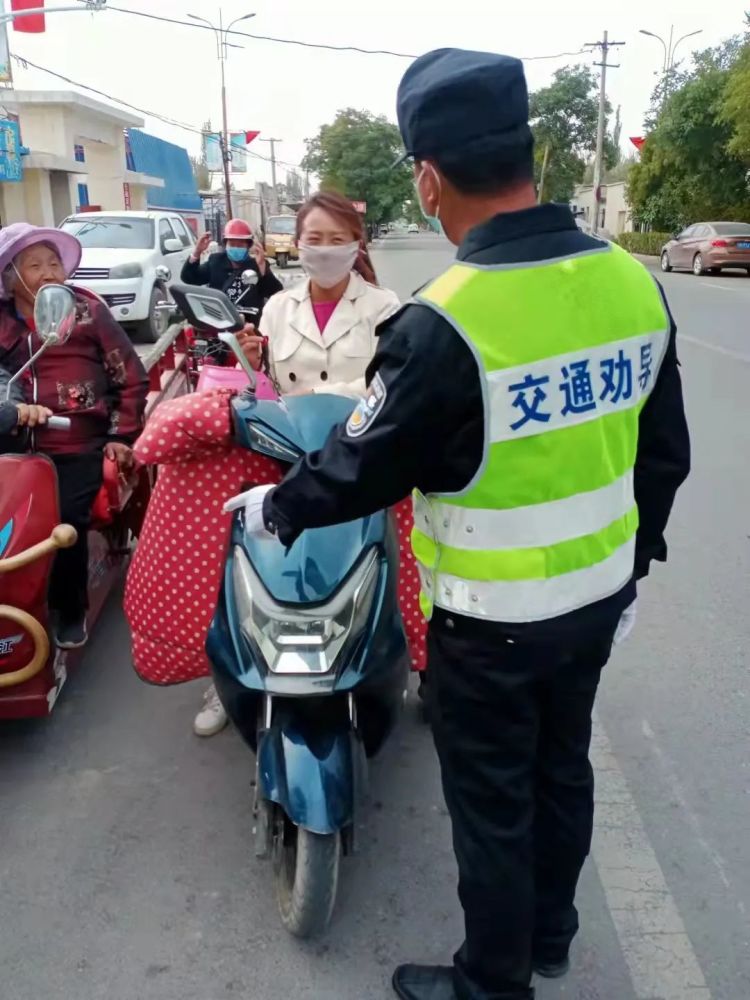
(303,359)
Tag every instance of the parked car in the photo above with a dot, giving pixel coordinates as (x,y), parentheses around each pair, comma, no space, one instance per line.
(708,248)
(128,257)
(413,227)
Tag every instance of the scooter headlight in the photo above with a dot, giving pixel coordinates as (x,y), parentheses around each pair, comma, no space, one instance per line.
(301,641)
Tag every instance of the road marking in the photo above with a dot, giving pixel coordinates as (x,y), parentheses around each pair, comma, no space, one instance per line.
(726,351)
(675,786)
(654,942)
(722,288)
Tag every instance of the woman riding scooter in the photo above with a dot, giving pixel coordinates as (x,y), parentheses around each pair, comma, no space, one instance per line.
(223,270)
(321,332)
(95,379)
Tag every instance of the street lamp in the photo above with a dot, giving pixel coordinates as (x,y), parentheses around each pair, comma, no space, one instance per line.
(222,44)
(669,54)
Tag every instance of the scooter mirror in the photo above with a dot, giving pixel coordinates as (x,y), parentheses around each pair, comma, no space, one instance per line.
(249,278)
(54,314)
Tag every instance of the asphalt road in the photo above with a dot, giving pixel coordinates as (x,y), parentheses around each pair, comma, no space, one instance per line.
(126,860)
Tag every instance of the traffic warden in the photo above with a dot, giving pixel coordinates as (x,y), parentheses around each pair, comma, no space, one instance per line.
(531,398)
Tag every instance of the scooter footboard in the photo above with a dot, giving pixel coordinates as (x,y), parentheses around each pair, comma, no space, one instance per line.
(315,777)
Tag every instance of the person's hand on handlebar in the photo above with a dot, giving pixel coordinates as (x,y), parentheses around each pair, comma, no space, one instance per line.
(32,415)
(252,345)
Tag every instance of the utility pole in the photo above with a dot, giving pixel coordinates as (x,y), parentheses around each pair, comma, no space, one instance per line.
(226,153)
(605,45)
(222,44)
(276,207)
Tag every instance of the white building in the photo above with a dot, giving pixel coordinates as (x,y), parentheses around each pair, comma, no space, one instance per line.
(615,215)
(78,158)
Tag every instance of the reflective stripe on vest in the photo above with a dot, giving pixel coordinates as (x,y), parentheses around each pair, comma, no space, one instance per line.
(568,353)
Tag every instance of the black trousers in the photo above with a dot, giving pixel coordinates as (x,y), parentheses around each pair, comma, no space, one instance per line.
(79,480)
(512,727)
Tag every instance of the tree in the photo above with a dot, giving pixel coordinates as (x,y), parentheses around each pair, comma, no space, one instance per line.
(200,172)
(354,155)
(691,165)
(564,118)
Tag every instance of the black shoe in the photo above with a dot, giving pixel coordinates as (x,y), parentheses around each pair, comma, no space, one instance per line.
(71,633)
(552,970)
(424,982)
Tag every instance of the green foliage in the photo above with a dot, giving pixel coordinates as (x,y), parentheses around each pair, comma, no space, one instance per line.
(645,243)
(564,118)
(694,163)
(354,155)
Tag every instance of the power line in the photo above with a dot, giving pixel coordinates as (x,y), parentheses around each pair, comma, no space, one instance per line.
(310,45)
(141,111)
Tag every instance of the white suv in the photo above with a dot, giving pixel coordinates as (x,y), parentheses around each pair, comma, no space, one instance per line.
(124,259)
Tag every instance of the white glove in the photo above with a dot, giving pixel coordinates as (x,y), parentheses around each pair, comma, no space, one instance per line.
(626,623)
(252,502)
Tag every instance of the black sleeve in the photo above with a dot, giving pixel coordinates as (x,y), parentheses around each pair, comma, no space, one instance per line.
(420,426)
(663,458)
(195,273)
(268,283)
(8,420)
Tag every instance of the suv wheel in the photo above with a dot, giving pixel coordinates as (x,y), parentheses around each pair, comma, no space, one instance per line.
(156,324)
(665,265)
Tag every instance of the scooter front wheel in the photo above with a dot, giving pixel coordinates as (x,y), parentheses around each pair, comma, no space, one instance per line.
(307,878)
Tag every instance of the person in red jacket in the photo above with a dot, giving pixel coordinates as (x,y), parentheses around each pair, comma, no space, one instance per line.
(95,378)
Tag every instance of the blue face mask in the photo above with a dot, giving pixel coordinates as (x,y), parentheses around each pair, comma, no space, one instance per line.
(432,220)
(237,254)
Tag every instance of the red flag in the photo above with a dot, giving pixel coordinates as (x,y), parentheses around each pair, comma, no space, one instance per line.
(249,136)
(638,142)
(33,23)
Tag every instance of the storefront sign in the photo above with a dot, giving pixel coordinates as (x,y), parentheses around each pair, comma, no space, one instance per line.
(11,163)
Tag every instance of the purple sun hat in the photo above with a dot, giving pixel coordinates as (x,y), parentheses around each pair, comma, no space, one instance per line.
(21,235)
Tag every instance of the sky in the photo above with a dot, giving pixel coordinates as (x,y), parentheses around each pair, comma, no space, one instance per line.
(288,92)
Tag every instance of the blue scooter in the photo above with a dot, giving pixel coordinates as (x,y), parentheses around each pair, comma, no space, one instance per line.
(308,651)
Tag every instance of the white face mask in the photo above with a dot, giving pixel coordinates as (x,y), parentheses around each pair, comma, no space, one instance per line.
(328,266)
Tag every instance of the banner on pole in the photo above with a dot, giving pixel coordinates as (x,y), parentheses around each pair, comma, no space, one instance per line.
(212,152)
(237,143)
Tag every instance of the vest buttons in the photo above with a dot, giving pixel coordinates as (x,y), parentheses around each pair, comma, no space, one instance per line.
(292,377)
(474,599)
(469,529)
(324,376)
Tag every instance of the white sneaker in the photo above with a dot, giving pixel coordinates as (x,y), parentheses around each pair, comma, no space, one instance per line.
(212,718)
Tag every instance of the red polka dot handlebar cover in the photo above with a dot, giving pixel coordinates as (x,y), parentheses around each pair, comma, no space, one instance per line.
(175,575)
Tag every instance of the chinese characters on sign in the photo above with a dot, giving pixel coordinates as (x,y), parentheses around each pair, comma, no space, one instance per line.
(11,164)
(586,386)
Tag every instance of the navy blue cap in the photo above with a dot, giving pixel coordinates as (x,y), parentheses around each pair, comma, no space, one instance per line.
(455,101)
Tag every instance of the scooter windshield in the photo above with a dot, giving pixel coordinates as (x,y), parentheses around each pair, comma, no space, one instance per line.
(321,559)
(300,422)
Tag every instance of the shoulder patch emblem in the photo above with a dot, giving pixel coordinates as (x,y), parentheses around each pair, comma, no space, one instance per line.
(367,408)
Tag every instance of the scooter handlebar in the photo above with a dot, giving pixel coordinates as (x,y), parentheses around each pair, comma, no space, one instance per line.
(59,423)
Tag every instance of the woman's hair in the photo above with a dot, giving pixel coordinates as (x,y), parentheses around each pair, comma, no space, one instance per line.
(342,210)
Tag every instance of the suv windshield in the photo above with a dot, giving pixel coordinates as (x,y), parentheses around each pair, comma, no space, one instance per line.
(732,229)
(284,225)
(119,234)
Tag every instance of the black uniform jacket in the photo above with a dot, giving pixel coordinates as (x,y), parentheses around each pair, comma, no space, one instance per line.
(428,430)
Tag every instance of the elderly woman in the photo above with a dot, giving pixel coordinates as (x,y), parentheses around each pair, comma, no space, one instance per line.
(95,379)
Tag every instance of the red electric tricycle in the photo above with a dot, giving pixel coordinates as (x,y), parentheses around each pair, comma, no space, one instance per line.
(32,671)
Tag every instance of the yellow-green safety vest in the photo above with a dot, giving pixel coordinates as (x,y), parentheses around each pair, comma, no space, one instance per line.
(568,351)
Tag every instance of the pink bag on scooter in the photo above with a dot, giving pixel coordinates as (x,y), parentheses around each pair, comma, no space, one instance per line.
(218,377)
